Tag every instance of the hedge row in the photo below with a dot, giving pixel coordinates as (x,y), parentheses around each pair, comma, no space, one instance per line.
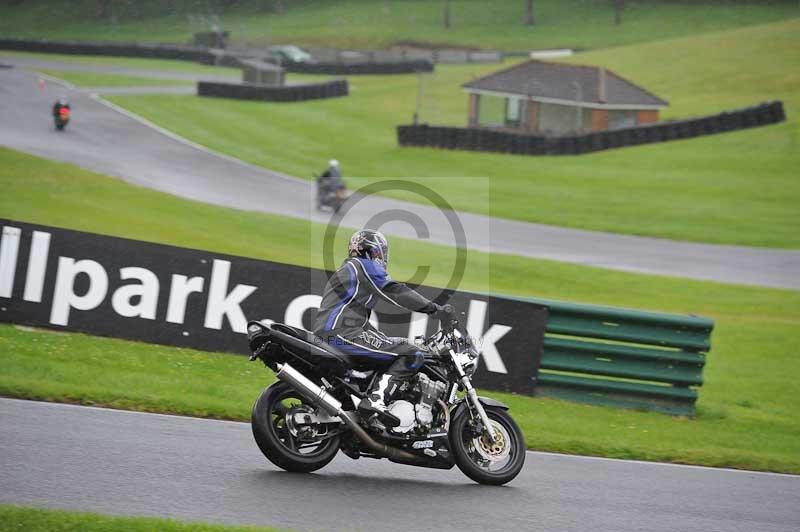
(349,69)
(118,49)
(286,93)
(518,143)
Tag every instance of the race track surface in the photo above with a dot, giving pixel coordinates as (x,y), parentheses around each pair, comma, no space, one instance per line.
(103,139)
(116,462)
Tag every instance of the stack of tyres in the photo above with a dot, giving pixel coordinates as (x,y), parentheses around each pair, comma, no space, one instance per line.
(292,93)
(684,129)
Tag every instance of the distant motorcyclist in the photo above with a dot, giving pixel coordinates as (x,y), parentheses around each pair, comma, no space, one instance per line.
(330,186)
(343,317)
(61,112)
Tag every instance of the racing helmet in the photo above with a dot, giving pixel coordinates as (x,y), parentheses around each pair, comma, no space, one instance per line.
(370,245)
(333,163)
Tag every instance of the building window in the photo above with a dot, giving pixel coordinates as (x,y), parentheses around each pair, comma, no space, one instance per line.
(621,119)
(561,119)
(512,111)
(491,111)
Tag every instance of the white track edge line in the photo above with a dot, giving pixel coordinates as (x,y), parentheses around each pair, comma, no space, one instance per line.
(57,81)
(529,451)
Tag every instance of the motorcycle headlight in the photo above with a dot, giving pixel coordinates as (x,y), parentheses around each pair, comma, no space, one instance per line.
(253,329)
(468,360)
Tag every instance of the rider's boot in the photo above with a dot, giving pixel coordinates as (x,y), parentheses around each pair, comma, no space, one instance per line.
(378,397)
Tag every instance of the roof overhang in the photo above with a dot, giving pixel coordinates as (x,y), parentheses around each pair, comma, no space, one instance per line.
(570,103)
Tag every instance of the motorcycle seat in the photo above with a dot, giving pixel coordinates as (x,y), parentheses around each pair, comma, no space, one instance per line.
(316,341)
(349,361)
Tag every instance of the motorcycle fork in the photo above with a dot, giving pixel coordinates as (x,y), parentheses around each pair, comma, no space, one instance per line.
(472,399)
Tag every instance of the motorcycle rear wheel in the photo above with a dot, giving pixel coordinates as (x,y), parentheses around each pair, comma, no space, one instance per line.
(483,461)
(275,437)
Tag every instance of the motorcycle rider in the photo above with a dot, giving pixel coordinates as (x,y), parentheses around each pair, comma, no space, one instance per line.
(343,317)
(330,182)
(61,103)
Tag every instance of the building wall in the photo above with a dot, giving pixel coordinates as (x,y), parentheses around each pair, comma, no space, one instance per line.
(646,117)
(548,118)
(531,124)
(599,119)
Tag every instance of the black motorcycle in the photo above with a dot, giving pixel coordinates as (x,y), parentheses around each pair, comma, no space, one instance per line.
(304,419)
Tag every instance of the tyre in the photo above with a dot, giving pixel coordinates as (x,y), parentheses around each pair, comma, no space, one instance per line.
(481,460)
(284,445)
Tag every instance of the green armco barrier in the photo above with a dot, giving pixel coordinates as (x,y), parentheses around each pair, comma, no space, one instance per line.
(623,357)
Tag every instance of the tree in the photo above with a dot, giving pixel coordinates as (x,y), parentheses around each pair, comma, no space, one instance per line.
(619,6)
(446,14)
(529,20)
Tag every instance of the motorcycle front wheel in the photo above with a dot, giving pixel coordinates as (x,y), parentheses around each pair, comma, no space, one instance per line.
(480,459)
(283,444)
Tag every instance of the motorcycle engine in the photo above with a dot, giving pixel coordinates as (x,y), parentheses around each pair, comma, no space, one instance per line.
(418,415)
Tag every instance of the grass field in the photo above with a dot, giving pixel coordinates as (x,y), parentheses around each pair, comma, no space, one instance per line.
(746,416)
(21,519)
(372,24)
(96,79)
(735,188)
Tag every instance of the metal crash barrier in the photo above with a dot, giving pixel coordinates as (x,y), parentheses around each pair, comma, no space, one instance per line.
(621,357)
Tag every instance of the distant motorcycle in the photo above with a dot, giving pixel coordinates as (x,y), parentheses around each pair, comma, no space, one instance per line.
(61,117)
(329,198)
(304,419)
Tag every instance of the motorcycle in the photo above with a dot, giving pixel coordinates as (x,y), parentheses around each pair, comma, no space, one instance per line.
(301,421)
(62,118)
(329,198)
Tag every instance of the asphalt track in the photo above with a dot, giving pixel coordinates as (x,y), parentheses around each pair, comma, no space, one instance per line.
(116,462)
(107,140)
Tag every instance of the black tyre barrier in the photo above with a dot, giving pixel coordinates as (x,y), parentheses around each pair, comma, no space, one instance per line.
(288,93)
(350,69)
(118,49)
(492,140)
(212,39)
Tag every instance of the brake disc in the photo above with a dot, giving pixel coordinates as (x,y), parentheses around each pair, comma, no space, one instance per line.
(493,451)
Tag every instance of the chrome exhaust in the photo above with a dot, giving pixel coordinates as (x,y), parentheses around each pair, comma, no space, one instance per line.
(319,397)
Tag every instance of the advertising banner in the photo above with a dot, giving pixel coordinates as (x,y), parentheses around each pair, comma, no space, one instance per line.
(121,288)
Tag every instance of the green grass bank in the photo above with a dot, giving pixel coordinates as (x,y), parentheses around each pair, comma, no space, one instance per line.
(746,416)
(735,188)
(23,519)
(370,24)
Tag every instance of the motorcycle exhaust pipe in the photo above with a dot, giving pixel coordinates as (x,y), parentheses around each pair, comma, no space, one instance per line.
(309,389)
(319,397)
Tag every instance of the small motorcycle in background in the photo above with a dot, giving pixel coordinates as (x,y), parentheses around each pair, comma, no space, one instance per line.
(329,197)
(61,117)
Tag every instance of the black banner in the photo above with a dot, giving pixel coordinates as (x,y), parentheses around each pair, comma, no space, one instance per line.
(168,295)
